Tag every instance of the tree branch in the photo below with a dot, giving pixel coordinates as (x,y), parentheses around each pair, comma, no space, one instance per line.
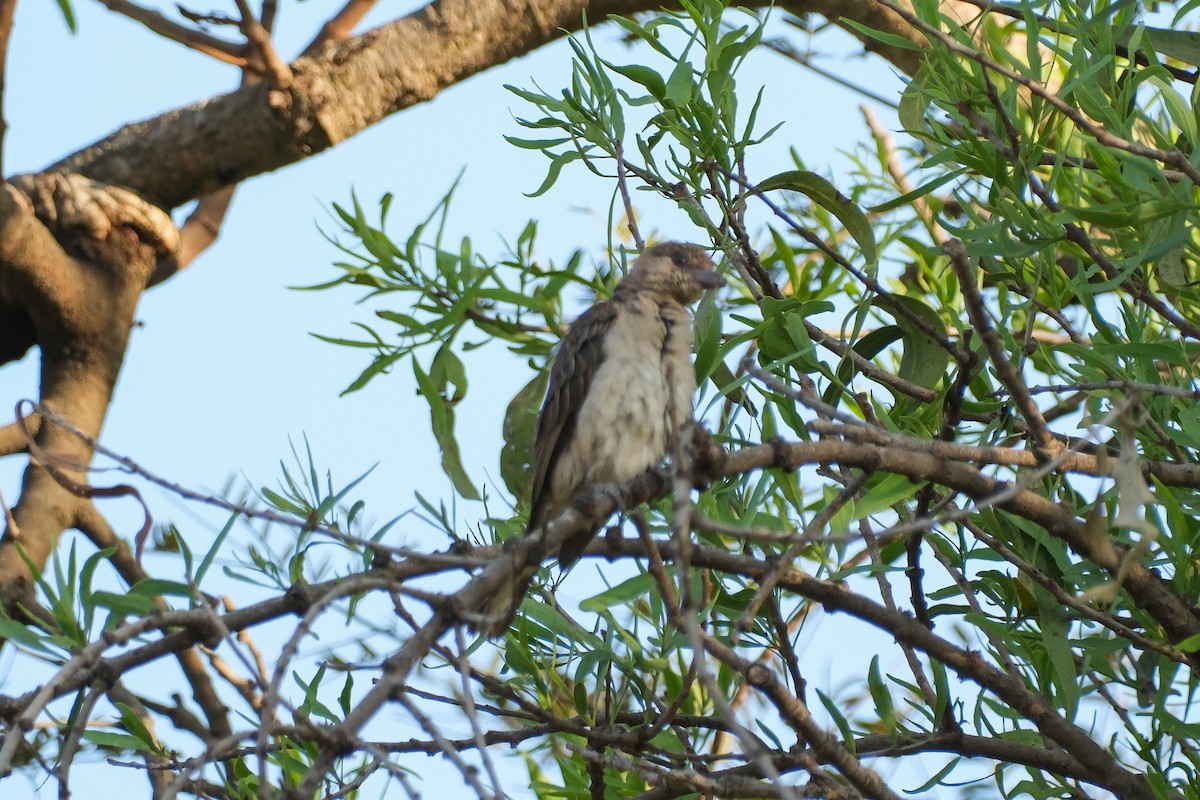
(339,26)
(197,40)
(192,151)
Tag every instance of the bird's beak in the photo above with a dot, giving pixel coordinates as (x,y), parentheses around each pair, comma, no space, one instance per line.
(708,279)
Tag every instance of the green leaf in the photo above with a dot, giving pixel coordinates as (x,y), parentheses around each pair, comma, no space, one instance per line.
(882,695)
(125,604)
(914,101)
(643,76)
(13,631)
(116,741)
(346,698)
(843,725)
(158,587)
(824,194)
(86,576)
(206,562)
(556,167)
(936,779)
(1055,628)
(442,416)
(312,703)
(681,84)
(447,370)
(558,625)
(770,734)
(520,430)
(785,338)
(869,346)
(890,39)
(919,192)
(1172,269)
(536,144)
(381,364)
(1189,645)
(1180,44)
(728,385)
(1119,214)
(331,501)
(884,494)
(924,360)
(707,323)
(1177,107)
(620,594)
(407,323)
(646,34)
(68,15)
(134,724)
(941,686)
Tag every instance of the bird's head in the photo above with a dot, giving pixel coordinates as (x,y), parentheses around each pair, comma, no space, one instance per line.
(679,270)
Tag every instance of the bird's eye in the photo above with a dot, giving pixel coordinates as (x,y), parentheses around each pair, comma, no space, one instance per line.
(679,259)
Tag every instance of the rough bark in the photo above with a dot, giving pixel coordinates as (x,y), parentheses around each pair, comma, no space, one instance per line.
(75,260)
(351,85)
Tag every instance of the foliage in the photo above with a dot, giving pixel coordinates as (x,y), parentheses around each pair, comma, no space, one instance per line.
(957,394)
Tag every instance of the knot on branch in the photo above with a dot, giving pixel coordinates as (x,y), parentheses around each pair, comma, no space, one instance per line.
(757,675)
(781,454)
(300,597)
(11,709)
(88,216)
(103,675)
(706,457)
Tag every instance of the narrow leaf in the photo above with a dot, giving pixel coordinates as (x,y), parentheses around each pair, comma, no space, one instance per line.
(826,195)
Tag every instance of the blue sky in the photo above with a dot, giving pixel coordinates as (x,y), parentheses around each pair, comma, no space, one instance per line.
(223,369)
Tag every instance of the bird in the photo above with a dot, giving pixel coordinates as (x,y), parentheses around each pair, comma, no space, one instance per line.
(620,390)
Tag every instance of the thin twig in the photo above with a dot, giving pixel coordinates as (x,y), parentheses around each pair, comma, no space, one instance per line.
(339,26)
(258,38)
(812,531)
(623,187)
(896,170)
(197,40)
(1044,442)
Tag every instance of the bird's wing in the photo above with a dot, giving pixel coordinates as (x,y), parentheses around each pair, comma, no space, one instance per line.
(575,365)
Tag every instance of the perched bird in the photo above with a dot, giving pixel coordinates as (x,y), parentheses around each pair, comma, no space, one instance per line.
(620,389)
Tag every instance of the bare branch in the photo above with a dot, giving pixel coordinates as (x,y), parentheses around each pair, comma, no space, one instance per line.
(197,40)
(339,27)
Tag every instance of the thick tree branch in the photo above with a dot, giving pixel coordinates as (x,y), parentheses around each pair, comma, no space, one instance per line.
(12,439)
(197,234)
(81,304)
(192,151)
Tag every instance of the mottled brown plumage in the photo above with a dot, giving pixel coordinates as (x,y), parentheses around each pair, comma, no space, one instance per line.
(620,388)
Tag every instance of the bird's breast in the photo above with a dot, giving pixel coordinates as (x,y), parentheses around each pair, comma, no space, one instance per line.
(641,395)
